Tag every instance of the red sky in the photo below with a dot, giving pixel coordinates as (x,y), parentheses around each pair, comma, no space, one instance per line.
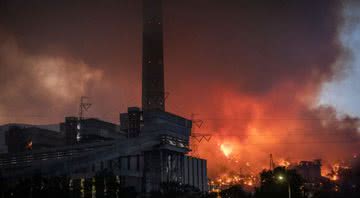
(251,70)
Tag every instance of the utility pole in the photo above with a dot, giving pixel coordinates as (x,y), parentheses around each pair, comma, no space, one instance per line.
(84,106)
(271,165)
(196,138)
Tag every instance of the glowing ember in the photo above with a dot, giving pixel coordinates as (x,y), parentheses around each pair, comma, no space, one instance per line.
(334,178)
(284,163)
(226,149)
(226,180)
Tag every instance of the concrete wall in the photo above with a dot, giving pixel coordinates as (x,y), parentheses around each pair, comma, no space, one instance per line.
(156,167)
(195,173)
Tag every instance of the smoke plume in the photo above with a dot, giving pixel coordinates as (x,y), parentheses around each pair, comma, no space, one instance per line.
(252,70)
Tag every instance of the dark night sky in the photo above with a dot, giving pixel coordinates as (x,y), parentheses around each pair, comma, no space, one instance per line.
(252,59)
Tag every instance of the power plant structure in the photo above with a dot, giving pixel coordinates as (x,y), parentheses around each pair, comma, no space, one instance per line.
(148,148)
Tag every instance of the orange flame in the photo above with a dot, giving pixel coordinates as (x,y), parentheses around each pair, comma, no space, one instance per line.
(284,163)
(226,149)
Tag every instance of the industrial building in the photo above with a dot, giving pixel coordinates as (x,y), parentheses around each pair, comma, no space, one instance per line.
(22,139)
(309,170)
(149,146)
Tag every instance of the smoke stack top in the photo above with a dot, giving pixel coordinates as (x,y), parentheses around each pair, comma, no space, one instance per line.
(153,64)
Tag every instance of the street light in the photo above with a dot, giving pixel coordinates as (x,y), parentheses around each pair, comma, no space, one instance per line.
(281,178)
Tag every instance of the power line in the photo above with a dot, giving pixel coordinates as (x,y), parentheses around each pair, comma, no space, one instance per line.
(206,118)
(299,142)
(282,135)
(274,118)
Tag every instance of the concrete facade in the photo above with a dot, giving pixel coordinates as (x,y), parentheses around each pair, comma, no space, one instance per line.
(309,170)
(156,156)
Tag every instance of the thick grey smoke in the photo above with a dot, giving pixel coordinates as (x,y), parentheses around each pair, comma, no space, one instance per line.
(38,88)
(251,69)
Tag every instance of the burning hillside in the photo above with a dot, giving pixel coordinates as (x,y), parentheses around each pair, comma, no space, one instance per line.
(251,70)
(265,97)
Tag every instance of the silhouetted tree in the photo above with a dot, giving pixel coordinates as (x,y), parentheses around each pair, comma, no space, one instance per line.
(88,188)
(22,188)
(275,183)
(176,190)
(112,186)
(349,181)
(76,188)
(127,192)
(235,191)
(211,195)
(65,186)
(99,185)
(3,186)
(37,186)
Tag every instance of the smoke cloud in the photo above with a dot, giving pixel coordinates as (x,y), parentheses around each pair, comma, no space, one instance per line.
(35,88)
(252,70)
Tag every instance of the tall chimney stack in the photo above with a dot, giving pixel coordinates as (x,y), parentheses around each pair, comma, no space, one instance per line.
(153,62)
